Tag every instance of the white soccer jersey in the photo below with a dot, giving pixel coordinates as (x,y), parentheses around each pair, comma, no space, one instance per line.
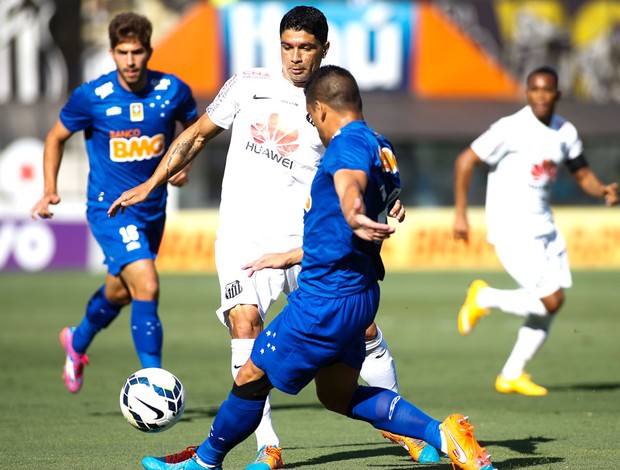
(273,156)
(523,155)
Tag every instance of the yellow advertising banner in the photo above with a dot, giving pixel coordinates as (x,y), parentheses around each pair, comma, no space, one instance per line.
(423,242)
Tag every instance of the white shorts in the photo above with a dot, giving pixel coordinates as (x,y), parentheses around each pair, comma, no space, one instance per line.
(539,265)
(263,288)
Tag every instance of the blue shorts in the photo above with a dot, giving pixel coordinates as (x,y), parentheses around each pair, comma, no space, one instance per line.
(312,333)
(125,239)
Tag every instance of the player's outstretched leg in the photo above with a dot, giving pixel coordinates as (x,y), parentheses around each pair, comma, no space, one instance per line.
(74,362)
(378,370)
(462,447)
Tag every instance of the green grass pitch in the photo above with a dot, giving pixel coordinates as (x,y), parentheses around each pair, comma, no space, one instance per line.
(576,426)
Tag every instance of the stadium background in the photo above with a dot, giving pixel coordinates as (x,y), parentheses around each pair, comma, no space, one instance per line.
(434,76)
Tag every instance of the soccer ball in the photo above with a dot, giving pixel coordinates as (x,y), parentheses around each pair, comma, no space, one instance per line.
(152,400)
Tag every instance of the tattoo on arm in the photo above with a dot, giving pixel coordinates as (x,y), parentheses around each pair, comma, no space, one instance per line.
(182,150)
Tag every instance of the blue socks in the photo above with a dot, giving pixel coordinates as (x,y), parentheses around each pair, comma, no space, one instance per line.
(100,312)
(386,410)
(146,328)
(147,332)
(235,421)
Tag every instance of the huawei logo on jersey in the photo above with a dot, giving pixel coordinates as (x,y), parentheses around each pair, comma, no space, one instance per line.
(275,135)
(546,170)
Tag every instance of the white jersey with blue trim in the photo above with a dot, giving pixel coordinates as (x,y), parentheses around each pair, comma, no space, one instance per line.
(272,158)
(523,155)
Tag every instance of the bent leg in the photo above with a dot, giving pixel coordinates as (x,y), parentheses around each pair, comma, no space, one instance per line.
(384,409)
(103,307)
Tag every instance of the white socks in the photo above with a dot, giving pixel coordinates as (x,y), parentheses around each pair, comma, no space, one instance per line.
(265,434)
(516,301)
(531,337)
(532,334)
(378,368)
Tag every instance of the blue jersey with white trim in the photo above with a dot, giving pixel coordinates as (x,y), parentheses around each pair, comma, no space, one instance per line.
(336,262)
(127,133)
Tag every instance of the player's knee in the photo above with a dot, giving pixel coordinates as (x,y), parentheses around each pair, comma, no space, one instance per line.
(255,390)
(554,302)
(118,294)
(244,321)
(372,332)
(148,289)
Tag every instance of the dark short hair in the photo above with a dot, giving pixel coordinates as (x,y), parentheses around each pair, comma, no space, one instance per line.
(308,19)
(543,69)
(129,25)
(334,86)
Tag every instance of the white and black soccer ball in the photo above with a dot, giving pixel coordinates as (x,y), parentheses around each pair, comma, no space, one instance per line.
(152,400)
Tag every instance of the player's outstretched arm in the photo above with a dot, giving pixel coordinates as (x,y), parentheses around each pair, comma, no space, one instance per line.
(182,151)
(52,156)
(592,186)
(181,178)
(131,197)
(350,186)
(275,261)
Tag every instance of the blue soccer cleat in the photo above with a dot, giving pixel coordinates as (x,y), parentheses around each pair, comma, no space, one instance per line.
(184,460)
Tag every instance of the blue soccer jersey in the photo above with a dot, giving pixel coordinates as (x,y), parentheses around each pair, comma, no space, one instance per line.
(335,261)
(126,134)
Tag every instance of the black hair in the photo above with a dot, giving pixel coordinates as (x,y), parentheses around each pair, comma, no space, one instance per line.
(544,69)
(308,19)
(334,86)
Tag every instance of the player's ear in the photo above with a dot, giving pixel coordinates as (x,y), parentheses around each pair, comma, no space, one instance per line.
(325,48)
(321,108)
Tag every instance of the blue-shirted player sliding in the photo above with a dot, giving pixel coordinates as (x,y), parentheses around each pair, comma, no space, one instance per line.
(320,333)
(128,117)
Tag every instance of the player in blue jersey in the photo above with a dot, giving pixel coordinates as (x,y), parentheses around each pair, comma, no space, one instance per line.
(273,155)
(320,333)
(129,118)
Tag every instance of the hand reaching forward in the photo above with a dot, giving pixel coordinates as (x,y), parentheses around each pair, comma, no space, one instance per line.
(129,198)
(268,261)
(366,228)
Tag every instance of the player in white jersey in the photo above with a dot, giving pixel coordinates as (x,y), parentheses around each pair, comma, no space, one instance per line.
(523,152)
(272,158)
